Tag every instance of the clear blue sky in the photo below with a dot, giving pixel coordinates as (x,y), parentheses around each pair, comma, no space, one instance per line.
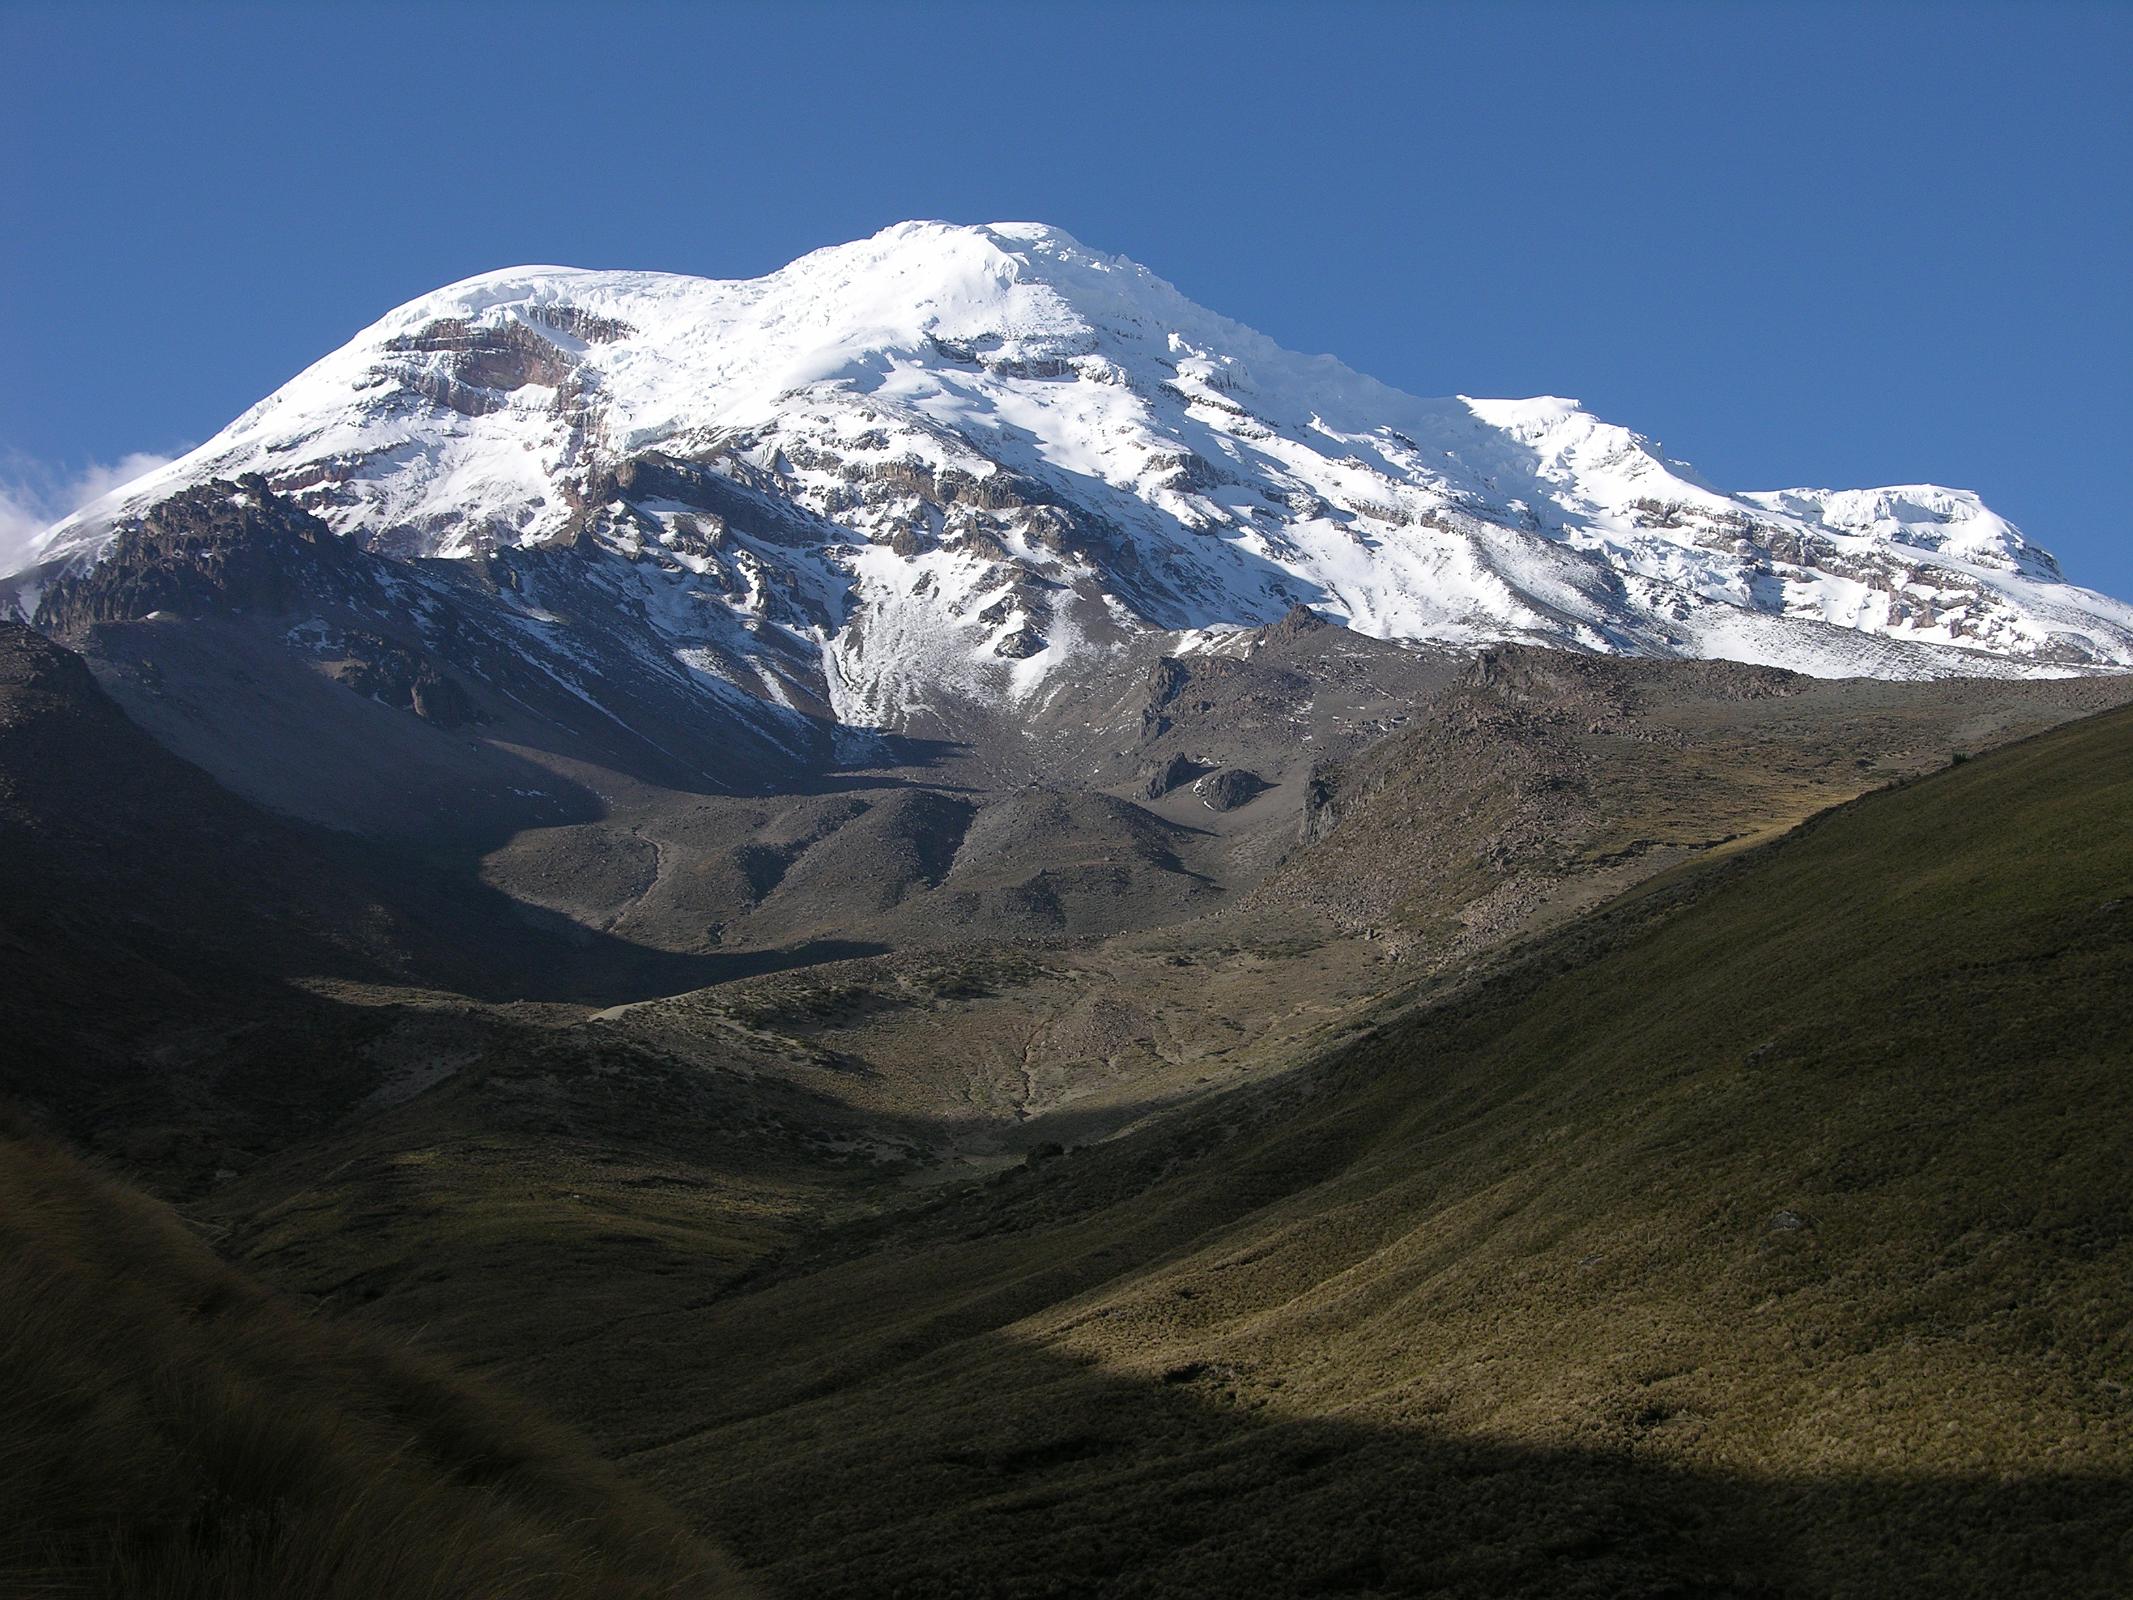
(1840,244)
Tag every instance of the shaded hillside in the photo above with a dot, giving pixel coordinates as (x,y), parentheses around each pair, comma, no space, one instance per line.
(364,681)
(102,824)
(173,1431)
(1768,1233)
(150,920)
(169,946)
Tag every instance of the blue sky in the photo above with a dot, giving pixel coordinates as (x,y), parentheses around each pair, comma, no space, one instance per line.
(1798,244)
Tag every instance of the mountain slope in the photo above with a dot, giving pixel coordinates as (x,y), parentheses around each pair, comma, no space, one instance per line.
(1544,782)
(1765,1235)
(946,469)
(171,949)
(172,1430)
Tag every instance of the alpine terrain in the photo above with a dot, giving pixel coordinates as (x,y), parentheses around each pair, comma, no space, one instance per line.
(940,925)
(949,471)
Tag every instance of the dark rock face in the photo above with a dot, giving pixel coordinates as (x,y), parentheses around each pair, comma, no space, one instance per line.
(1295,623)
(397,676)
(236,549)
(1162,778)
(1228,789)
(1022,643)
(1321,804)
(1166,681)
(440,700)
(217,548)
(578,323)
(720,495)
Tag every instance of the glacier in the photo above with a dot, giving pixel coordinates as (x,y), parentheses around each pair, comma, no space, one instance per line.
(953,463)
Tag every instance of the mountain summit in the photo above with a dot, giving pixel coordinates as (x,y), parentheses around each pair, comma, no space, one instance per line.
(946,464)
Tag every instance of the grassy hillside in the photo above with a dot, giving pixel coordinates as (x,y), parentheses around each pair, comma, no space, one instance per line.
(1764,1233)
(173,1431)
(1770,1233)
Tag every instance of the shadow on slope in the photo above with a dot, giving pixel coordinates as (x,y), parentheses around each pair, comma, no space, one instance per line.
(158,930)
(173,1431)
(1767,1233)
(441,700)
(115,841)
(990,1467)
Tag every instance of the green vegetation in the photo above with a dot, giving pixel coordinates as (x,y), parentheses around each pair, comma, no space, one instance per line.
(1767,1230)
(173,1431)
(1771,1233)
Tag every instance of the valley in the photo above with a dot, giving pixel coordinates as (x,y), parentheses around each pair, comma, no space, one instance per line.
(1253,1227)
(938,925)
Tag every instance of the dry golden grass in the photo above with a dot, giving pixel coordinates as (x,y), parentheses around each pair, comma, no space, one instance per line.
(1771,1234)
(1494,1299)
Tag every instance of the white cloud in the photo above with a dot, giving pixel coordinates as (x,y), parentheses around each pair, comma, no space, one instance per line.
(34,494)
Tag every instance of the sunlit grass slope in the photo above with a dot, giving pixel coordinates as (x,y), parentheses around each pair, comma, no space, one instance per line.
(1768,1233)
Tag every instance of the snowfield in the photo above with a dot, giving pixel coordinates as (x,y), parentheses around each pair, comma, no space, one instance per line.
(953,461)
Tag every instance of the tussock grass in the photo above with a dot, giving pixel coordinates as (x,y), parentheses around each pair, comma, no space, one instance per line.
(1769,1233)
(170,1430)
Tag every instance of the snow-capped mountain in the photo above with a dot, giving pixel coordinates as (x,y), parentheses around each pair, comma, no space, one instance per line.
(949,464)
